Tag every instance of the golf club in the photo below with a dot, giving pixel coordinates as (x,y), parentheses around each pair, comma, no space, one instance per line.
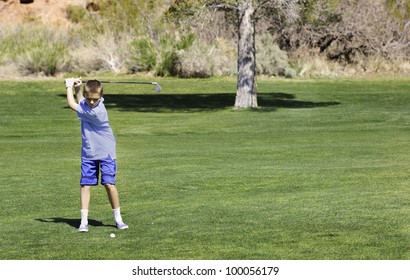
(157,86)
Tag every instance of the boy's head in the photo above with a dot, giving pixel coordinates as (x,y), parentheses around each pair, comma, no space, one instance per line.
(93,91)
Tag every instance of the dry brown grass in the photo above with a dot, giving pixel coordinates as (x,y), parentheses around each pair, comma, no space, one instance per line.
(317,65)
(204,60)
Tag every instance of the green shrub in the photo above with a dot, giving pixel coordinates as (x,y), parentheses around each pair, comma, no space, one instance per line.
(34,49)
(204,60)
(144,55)
(44,58)
(270,59)
(168,65)
(75,13)
(170,50)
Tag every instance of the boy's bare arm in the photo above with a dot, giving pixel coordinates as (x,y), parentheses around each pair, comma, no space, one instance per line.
(78,94)
(70,84)
(70,99)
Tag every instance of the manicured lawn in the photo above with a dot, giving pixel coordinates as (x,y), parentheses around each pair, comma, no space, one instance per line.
(320,171)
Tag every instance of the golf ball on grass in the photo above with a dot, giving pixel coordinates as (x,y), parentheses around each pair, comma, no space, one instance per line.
(112,235)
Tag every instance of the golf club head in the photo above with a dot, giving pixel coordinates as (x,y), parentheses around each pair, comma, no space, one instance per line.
(157,87)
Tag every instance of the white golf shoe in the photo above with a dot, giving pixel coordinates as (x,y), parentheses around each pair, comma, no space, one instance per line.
(121,225)
(83,228)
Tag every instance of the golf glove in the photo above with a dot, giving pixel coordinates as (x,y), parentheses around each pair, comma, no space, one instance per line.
(69,82)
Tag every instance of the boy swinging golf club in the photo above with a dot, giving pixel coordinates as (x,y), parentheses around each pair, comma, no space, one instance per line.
(98,153)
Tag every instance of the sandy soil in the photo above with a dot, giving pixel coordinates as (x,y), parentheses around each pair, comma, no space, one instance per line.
(52,12)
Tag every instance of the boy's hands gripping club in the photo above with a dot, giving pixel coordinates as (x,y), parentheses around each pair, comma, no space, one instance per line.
(72,82)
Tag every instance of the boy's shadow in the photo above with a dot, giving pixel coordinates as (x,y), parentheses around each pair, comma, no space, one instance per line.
(75,223)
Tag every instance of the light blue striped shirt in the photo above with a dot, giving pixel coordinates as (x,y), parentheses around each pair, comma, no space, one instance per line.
(98,141)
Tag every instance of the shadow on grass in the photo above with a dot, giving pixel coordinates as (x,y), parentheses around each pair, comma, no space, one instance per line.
(75,223)
(202,102)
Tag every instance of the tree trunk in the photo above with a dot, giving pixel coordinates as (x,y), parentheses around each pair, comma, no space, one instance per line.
(246,85)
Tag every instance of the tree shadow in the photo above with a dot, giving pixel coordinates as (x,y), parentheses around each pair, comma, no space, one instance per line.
(202,102)
(75,223)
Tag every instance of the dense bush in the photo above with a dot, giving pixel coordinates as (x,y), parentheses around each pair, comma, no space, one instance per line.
(270,59)
(170,48)
(34,50)
(144,55)
(205,60)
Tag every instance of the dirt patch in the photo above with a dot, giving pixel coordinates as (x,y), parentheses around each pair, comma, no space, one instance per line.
(49,12)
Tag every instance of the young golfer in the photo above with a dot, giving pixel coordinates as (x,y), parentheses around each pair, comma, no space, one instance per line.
(98,153)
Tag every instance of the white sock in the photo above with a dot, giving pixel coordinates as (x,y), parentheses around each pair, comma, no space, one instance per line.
(117,215)
(84,216)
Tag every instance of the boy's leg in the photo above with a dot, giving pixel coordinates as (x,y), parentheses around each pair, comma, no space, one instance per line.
(89,177)
(108,172)
(112,195)
(85,194)
(115,205)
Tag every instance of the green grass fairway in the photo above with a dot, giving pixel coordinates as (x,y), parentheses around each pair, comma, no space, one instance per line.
(320,171)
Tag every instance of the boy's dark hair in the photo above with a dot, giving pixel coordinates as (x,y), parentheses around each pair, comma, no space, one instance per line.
(93,86)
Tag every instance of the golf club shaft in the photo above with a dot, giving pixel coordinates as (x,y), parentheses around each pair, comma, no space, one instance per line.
(124,82)
(157,86)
